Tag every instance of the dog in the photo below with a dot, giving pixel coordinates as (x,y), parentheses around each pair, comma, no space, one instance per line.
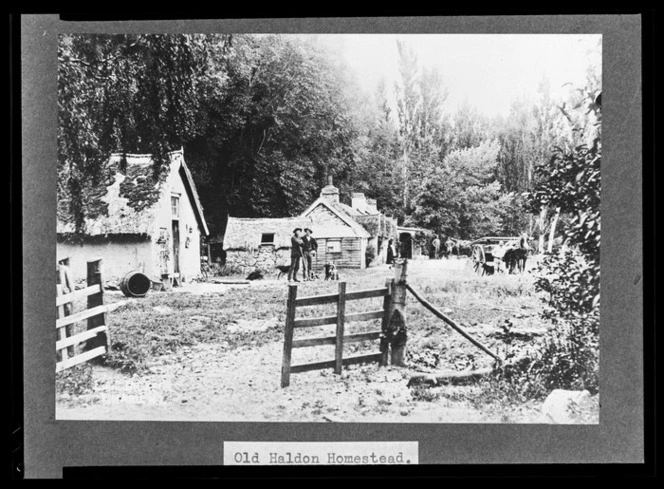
(283,270)
(331,272)
(256,275)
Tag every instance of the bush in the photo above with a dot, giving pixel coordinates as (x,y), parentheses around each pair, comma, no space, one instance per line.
(567,357)
(370,255)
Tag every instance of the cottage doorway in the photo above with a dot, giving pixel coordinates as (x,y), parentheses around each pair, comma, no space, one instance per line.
(176,246)
(406,245)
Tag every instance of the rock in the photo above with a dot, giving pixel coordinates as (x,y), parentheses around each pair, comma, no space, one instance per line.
(162,310)
(447,310)
(560,405)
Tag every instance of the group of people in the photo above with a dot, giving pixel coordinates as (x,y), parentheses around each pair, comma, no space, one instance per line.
(438,249)
(304,248)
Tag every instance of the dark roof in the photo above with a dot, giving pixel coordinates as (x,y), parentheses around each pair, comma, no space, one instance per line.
(126,202)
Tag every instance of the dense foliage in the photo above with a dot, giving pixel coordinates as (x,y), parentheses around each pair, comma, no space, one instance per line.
(265,119)
(568,357)
(121,93)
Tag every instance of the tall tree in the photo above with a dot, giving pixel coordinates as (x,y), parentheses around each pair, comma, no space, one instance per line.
(408,107)
(120,93)
(274,123)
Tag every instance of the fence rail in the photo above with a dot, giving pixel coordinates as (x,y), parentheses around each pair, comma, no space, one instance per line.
(340,338)
(96,336)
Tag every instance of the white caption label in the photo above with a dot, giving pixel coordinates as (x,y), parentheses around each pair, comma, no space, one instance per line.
(320,453)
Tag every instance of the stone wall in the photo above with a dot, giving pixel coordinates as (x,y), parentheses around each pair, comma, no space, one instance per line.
(265,258)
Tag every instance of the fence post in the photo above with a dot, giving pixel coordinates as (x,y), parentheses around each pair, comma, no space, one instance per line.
(66,287)
(94,300)
(288,335)
(63,355)
(384,341)
(341,312)
(397,324)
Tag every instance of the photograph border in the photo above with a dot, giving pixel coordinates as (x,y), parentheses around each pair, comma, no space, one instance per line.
(51,445)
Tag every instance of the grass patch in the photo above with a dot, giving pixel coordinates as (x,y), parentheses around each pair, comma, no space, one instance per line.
(253,316)
(75,380)
(425,394)
(139,333)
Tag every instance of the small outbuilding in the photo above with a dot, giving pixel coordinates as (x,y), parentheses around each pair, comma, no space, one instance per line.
(348,236)
(136,220)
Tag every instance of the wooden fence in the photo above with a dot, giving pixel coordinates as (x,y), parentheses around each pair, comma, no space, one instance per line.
(392,334)
(96,336)
(340,338)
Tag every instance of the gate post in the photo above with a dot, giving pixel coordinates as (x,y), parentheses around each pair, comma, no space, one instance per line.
(341,313)
(288,335)
(94,300)
(384,337)
(396,329)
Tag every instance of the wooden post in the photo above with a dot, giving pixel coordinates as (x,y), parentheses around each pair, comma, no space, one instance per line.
(384,342)
(94,300)
(341,312)
(288,335)
(397,325)
(66,287)
(61,331)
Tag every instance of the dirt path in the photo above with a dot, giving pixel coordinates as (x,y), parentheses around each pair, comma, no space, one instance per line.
(209,383)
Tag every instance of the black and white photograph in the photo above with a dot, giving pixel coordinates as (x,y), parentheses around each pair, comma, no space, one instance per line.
(329,228)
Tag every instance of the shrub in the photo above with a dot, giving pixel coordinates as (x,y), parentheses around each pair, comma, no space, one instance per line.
(567,357)
(370,255)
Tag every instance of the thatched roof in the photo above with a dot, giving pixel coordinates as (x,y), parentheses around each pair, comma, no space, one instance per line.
(246,233)
(126,202)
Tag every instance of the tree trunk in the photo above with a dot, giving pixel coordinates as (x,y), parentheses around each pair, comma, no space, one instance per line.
(552,231)
(405,175)
(541,220)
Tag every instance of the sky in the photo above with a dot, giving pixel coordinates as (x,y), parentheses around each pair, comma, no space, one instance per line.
(488,71)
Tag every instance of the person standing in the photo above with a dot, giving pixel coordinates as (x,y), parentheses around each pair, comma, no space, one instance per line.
(295,255)
(435,247)
(309,249)
(391,252)
(449,247)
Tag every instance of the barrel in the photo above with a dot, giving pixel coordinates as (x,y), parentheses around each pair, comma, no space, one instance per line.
(135,284)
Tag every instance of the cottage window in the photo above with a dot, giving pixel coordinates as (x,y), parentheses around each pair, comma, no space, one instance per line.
(175,206)
(334,246)
(267,238)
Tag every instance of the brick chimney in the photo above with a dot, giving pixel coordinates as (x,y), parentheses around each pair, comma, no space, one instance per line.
(330,192)
(359,202)
(372,206)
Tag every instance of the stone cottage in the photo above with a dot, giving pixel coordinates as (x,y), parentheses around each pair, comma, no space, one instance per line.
(136,221)
(348,236)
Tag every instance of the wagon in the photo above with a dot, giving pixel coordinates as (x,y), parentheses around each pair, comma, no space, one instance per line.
(487,253)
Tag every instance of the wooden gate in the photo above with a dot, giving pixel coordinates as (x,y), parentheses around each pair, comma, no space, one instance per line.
(339,339)
(95,335)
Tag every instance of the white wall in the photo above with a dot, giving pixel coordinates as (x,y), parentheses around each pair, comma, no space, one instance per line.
(190,258)
(119,258)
